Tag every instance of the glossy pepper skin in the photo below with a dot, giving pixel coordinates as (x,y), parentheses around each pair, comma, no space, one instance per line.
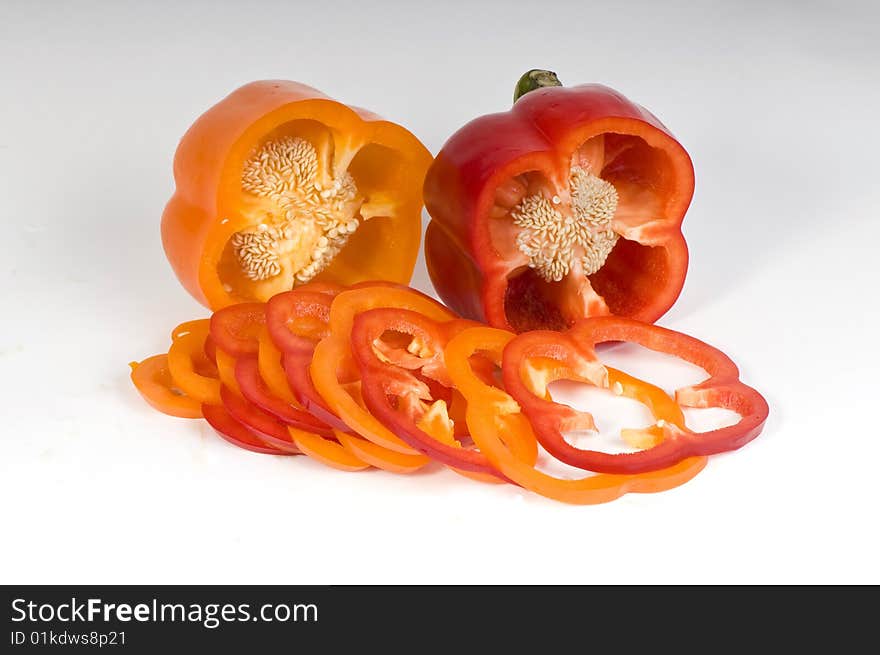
(386,160)
(473,261)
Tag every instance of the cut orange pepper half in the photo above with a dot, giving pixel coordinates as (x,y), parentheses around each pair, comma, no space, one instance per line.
(492,412)
(278,184)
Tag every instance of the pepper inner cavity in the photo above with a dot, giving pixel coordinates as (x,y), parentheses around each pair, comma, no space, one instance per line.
(303,217)
(559,234)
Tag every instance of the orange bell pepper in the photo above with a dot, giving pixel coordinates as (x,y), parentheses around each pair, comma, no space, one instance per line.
(277,184)
(492,413)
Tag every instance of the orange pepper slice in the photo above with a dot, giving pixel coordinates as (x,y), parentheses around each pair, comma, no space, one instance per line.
(271,370)
(381,458)
(326,451)
(153,380)
(192,371)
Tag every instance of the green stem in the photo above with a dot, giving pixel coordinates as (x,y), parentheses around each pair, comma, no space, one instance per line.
(534,79)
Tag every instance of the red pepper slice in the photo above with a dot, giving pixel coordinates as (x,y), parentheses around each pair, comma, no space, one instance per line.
(493,415)
(255,391)
(296,366)
(262,425)
(569,205)
(332,361)
(235,433)
(297,319)
(236,329)
(667,443)
(397,397)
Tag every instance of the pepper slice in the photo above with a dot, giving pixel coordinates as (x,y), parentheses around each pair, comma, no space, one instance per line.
(666,444)
(262,425)
(333,363)
(193,372)
(569,205)
(152,378)
(401,399)
(272,370)
(492,413)
(255,391)
(296,321)
(235,433)
(236,329)
(327,451)
(277,184)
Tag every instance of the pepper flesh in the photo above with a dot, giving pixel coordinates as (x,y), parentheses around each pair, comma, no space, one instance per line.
(493,413)
(277,184)
(569,205)
(664,445)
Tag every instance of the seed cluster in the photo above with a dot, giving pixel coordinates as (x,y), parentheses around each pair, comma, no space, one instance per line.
(285,173)
(553,241)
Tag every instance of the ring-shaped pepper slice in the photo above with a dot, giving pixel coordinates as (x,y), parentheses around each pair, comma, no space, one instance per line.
(493,413)
(668,443)
(333,355)
(255,391)
(402,401)
(193,372)
(154,382)
(262,425)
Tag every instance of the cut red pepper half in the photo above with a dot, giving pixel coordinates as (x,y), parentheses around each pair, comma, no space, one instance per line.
(665,444)
(569,205)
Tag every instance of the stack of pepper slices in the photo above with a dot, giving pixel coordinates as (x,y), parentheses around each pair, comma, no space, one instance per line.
(555,229)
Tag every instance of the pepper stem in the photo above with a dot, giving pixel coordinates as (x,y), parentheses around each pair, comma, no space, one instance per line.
(534,79)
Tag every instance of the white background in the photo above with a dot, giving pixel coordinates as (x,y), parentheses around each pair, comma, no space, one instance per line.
(777,104)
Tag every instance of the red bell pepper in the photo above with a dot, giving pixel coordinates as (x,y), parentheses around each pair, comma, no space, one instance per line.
(569,205)
(665,444)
